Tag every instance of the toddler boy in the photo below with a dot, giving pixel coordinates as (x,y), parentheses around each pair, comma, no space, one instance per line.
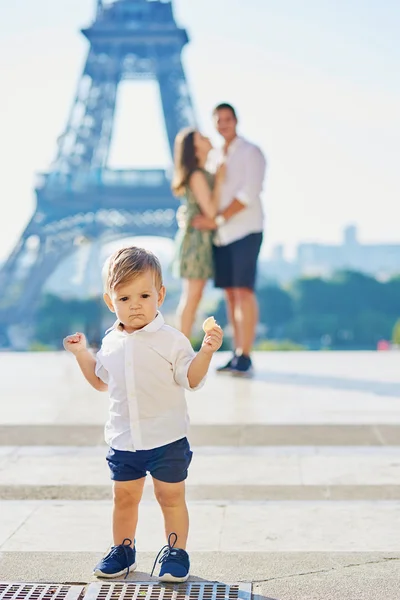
(146,366)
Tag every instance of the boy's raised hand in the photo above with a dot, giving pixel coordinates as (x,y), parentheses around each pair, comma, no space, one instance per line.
(212,340)
(75,343)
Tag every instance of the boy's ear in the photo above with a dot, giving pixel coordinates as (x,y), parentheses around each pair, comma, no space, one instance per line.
(161,295)
(108,301)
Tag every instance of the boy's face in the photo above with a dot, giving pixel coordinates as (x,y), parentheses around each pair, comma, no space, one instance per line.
(135,302)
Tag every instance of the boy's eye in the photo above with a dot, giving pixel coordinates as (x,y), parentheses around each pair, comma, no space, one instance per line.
(124,299)
(145,295)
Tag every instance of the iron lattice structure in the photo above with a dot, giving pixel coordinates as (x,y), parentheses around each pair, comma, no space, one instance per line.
(80,197)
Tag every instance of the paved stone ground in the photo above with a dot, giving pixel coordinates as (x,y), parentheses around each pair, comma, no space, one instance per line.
(294,486)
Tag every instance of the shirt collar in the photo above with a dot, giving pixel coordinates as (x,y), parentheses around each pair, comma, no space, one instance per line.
(234,145)
(151,327)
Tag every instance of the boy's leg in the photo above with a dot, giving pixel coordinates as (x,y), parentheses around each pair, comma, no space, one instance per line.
(127,496)
(122,556)
(128,477)
(171,498)
(169,469)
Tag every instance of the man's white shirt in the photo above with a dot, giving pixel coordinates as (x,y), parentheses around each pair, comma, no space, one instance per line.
(245,172)
(146,372)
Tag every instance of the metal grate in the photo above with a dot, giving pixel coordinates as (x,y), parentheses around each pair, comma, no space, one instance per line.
(157,591)
(39,591)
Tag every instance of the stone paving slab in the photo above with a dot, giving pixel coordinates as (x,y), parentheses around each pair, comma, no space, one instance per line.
(215,435)
(266,466)
(217,493)
(275,576)
(265,404)
(76,467)
(284,526)
(298,388)
(291,549)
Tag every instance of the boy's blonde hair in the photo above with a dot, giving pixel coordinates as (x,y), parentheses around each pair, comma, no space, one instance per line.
(126,264)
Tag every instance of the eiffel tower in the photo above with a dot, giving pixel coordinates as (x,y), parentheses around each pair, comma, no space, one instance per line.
(80,197)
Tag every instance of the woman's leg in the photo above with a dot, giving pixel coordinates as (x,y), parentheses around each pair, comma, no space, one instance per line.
(192,293)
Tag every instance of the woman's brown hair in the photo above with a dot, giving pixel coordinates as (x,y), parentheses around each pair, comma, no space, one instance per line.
(185,160)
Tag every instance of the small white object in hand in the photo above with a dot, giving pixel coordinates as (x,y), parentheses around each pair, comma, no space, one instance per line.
(209,324)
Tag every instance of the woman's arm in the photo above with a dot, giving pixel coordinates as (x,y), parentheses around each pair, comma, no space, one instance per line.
(206,198)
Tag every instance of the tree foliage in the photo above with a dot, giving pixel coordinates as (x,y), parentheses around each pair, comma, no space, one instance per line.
(349,310)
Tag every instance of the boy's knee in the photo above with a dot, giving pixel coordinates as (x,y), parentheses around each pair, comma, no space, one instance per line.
(124,496)
(170,496)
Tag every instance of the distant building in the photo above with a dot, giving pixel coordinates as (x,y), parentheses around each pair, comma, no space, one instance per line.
(277,269)
(316,259)
(380,260)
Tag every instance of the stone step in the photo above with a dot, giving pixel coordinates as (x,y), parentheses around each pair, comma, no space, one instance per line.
(210,492)
(258,473)
(282,526)
(275,575)
(289,389)
(215,435)
(216,473)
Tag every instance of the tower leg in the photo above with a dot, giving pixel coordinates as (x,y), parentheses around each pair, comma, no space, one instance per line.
(175,96)
(86,141)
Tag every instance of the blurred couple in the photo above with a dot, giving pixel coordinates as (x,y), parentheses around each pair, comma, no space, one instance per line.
(221,225)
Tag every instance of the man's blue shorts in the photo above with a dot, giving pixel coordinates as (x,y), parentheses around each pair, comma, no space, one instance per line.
(168,463)
(235,265)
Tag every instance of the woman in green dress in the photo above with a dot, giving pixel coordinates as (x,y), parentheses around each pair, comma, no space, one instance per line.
(199,194)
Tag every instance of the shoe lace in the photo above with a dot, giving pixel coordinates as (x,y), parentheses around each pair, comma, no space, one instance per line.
(166,552)
(121,550)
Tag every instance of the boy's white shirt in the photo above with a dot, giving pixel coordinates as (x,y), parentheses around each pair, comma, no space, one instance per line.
(146,372)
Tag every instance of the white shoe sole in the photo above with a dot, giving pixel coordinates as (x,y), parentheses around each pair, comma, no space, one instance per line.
(98,573)
(168,578)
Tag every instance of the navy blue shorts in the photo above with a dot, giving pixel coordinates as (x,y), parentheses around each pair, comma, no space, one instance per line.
(167,463)
(235,265)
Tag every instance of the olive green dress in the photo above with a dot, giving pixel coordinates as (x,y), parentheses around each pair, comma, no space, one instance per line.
(193,248)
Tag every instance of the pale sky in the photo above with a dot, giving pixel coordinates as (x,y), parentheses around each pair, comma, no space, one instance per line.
(316,84)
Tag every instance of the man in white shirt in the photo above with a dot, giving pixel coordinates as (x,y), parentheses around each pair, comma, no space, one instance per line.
(238,234)
(146,366)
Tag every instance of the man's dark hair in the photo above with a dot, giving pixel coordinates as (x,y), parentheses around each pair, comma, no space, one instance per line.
(225,106)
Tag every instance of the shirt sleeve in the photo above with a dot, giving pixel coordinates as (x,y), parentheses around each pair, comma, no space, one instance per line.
(182,358)
(100,370)
(254,165)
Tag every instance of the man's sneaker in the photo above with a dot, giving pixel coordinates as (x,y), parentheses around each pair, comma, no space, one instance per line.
(121,559)
(230,365)
(175,563)
(243,367)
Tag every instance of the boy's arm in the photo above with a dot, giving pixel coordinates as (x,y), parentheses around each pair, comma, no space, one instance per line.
(87,363)
(76,344)
(200,364)
(198,368)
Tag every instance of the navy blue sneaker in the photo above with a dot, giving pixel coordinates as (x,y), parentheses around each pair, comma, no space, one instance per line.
(243,367)
(121,559)
(230,365)
(175,563)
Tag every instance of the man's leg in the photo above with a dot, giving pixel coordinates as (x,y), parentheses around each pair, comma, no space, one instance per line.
(245,310)
(245,306)
(230,311)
